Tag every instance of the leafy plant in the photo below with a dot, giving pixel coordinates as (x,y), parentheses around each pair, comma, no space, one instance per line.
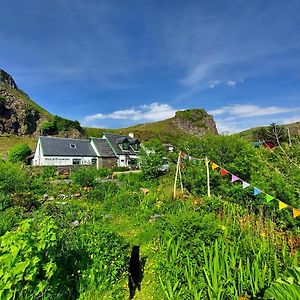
(27,260)
(19,153)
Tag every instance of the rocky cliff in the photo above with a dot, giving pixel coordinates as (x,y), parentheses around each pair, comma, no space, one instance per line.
(19,115)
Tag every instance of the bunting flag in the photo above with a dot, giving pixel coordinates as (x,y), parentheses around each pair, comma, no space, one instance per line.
(214,166)
(282,205)
(234,178)
(183,154)
(245,184)
(269,198)
(296,212)
(256,191)
(224,172)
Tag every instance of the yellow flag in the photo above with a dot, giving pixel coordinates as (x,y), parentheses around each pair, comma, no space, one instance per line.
(214,166)
(282,205)
(296,212)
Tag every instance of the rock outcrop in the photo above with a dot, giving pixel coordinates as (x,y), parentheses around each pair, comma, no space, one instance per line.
(18,115)
(195,121)
(7,80)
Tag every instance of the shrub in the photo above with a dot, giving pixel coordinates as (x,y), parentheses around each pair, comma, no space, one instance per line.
(104,172)
(151,158)
(13,178)
(48,172)
(103,190)
(9,218)
(19,153)
(84,176)
(120,169)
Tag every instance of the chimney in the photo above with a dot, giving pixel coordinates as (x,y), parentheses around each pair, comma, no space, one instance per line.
(131,135)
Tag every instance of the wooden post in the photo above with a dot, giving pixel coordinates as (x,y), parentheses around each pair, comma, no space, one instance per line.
(176,176)
(207,174)
(180,178)
(289,135)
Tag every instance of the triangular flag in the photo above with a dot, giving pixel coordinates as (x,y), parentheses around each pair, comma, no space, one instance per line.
(234,178)
(282,205)
(183,154)
(269,198)
(214,166)
(256,191)
(245,184)
(296,212)
(224,172)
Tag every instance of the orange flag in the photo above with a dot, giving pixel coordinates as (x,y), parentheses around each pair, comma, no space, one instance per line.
(296,212)
(282,205)
(224,172)
(214,166)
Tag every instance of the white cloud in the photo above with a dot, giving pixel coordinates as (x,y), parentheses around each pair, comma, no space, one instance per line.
(250,110)
(238,117)
(213,83)
(231,83)
(150,113)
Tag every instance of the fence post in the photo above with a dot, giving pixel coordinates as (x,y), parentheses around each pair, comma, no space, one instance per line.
(207,175)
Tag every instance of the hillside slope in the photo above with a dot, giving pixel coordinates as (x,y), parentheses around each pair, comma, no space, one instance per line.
(185,123)
(249,134)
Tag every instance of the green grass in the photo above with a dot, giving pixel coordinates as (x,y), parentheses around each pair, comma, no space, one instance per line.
(9,141)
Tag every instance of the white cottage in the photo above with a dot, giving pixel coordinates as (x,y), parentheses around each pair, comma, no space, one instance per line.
(53,151)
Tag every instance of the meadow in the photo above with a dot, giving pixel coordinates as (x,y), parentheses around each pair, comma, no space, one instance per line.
(70,237)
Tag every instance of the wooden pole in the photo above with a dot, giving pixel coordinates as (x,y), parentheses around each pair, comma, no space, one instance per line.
(208,177)
(289,135)
(180,178)
(176,176)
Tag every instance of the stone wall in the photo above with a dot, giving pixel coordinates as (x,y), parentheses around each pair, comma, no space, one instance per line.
(108,162)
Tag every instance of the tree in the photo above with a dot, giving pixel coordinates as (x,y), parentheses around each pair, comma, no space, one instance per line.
(19,153)
(151,158)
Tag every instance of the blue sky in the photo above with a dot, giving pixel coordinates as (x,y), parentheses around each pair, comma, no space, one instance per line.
(118,63)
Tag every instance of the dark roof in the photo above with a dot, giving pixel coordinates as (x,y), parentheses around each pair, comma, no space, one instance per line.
(103,147)
(114,140)
(54,146)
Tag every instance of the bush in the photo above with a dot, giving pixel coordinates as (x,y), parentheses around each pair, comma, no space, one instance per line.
(103,190)
(151,158)
(84,176)
(19,153)
(48,172)
(104,172)
(9,218)
(13,178)
(120,169)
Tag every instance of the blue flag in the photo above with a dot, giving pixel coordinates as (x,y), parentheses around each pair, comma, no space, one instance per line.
(256,191)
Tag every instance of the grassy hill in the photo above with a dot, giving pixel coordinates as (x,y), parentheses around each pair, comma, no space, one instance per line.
(293,127)
(9,141)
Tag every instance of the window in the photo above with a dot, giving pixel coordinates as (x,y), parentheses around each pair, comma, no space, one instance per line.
(94,161)
(132,162)
(76,161)
(73,146)
(125,146)
(136,146)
